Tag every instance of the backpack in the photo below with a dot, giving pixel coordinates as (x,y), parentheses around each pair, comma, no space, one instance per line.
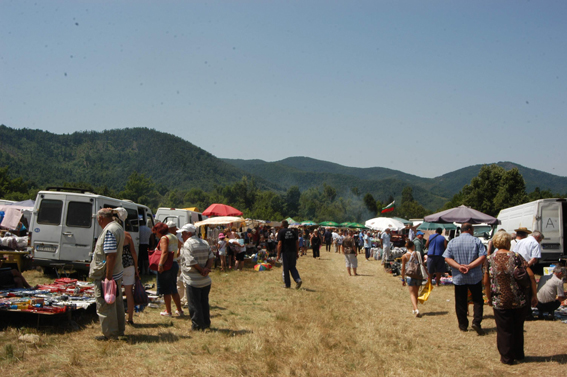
(413,269)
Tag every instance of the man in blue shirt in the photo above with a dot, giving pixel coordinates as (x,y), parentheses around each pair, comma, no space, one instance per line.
(465,254)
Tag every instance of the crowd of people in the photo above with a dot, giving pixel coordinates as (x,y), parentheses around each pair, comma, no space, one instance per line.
(503,271)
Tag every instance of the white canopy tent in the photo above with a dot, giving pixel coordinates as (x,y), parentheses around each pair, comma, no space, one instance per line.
(383,223)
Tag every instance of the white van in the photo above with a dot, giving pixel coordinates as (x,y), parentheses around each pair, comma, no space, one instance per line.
(545,215)
(64,229)
(180,216)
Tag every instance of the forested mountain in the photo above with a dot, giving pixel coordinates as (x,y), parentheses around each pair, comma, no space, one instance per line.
(108,158)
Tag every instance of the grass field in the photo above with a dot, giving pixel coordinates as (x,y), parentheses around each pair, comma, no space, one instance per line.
(335,325)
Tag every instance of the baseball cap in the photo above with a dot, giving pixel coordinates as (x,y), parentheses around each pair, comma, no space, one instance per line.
(188,228)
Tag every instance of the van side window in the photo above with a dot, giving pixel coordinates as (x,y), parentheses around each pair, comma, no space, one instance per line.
(50,212)
(132,220)
(79,214)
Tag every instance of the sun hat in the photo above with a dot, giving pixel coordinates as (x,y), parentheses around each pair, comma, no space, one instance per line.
(221,235)
(171,224)
(190,228)
(523,230)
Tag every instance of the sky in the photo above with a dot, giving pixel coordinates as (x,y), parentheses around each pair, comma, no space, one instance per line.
(424,87)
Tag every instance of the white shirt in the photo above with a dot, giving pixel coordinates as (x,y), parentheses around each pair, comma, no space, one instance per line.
(145,234)
(385,239)
(528,248)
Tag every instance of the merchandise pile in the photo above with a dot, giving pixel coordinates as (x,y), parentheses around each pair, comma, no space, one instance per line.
(63,295)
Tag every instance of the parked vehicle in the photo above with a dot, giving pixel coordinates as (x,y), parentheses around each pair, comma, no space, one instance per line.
(546,215)
(64,229)
(180,216)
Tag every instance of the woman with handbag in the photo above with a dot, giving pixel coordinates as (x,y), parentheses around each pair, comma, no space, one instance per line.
(413,268)
(130,265)
(505,282)
(167,269)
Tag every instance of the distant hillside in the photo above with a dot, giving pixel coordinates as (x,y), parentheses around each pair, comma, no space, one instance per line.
(109,157)
(451,183)
(382,182)
(307,172)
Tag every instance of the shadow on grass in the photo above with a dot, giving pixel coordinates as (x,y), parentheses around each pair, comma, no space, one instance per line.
(433,314)
(229,332)
(151,325)
(217,307)
(364,275)
(307,290)
(560,359)
(159,338)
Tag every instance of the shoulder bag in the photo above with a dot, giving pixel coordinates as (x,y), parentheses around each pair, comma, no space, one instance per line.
(155,257)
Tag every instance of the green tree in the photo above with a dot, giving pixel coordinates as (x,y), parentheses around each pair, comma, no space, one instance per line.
(511,191)
(292,198)
(13,189)
(141,190)
(370,203)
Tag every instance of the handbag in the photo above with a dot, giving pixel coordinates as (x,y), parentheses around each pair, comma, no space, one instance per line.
(520,274)
(140,295)
(155,257)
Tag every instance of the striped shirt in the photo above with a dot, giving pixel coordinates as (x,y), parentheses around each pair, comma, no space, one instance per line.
(195,251)
(464,250)
(110,246)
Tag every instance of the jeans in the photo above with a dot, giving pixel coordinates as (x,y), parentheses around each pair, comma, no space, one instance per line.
(198,302)
(289,260)
(461,294)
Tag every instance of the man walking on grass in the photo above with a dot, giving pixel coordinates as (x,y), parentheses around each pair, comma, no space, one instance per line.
(288,251)
(465,254)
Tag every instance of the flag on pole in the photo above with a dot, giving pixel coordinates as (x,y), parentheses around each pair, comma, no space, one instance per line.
(389,207)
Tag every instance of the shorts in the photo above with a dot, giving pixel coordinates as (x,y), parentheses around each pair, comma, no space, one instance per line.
(351,261)
(435,263)
(167,281)
(222,252)
(240,256)
(129,277)
(414,282)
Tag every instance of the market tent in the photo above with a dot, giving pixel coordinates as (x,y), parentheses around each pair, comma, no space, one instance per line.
(308,223)
(328,223)
(383,223)
(290,220)
(357,225)
(433,226)
(462,214)
(221,220)
(218,209)
(344,225)
(194,209)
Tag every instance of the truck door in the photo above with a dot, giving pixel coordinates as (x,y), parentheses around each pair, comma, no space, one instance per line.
(131,225)
(551,227)
(77,231)
(47,226)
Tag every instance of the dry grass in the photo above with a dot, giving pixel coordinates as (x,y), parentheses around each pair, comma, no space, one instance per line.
(335,325)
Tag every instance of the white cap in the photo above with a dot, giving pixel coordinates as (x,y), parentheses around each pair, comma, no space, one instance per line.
(190,228)
(171,224)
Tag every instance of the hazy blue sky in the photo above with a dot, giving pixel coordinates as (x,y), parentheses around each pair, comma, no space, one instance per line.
(425,87)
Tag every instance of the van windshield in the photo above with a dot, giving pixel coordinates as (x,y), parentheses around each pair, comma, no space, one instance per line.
(50,212)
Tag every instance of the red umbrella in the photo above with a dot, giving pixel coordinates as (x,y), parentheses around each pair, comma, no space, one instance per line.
(218,209)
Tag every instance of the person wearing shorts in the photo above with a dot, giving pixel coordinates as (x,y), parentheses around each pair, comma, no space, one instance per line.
(222,246)
(436,245)
(349,251)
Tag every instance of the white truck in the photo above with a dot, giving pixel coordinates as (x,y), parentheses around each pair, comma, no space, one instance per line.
(546,215)
(64,229)
(180,216)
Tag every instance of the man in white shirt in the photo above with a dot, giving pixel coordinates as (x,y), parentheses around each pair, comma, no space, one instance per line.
(529,247)
(386,245)
(550,292)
